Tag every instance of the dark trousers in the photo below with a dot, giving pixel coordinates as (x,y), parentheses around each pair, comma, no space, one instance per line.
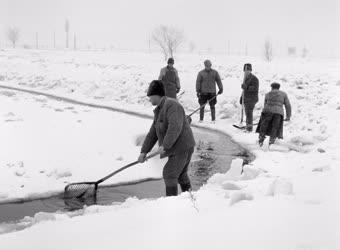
(270,124)
(175,172)
(248,110)
(170,89)
(203,99)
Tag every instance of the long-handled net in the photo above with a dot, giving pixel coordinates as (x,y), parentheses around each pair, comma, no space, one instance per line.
(202,106)
(81,190)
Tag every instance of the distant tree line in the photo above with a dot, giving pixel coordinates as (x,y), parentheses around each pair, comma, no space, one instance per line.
(167,39)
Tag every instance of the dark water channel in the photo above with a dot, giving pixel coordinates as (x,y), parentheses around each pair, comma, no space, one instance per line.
(213,154)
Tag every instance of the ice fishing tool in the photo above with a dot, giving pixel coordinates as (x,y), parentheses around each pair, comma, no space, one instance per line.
(202,106)
(87,189)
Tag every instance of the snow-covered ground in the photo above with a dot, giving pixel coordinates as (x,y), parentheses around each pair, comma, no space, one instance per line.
(288,198)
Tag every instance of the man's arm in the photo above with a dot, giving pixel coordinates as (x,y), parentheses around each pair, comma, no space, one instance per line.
(198,82)
(219,83)
(161,74)
(251,86)
(150,140)
(178,84)
(175,124)
(288,107)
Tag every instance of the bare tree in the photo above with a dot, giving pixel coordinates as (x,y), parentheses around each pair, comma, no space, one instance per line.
(67,30)
(168,39)
(268,50)
(291,51)
(304,52)
(13,35)
(192,47)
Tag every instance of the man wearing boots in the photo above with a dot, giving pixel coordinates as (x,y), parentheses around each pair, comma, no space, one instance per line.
(175,138)
(271,121)
(206,88)
(250,95)
(170,79)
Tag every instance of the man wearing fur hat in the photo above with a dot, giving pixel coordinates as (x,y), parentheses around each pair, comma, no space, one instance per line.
(250,95)
(271,121)
(170,79)
(175,138)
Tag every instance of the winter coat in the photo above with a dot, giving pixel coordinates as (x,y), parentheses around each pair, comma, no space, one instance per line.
(170,128)
(170,79)
(206,81)
(274,102)
(250,90)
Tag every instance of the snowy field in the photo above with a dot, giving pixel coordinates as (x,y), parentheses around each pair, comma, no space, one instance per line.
(288,198)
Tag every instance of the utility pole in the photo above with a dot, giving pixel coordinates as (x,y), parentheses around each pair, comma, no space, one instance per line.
(74,42)
(228,47)
(54,39)
(67,29)
(149,45)
(36,40)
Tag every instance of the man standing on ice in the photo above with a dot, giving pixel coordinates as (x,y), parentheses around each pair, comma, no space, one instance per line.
(175,138)
(206,89)
(271,121)
(250,95)
(170,79)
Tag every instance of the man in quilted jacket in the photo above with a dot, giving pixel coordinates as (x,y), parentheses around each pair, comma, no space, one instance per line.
(271,121)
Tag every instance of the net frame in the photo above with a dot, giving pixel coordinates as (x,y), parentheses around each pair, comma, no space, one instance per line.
(80,190)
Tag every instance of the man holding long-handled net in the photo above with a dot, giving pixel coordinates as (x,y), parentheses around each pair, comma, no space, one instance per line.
(171,129)
(206,82)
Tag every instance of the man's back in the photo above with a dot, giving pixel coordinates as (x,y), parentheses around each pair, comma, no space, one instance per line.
(274,102)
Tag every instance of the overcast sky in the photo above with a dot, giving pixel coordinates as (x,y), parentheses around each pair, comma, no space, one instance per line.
(211,23)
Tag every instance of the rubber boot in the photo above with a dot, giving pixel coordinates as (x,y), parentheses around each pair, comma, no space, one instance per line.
(171,190)
(202,114)
(185,187)
(213,113)
(261,140)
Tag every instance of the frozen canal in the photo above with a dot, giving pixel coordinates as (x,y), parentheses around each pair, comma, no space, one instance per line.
(213,154)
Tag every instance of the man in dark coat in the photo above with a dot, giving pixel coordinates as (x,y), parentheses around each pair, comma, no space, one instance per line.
(206,88)
(170,79)
(175,138)
(271,121)
(250,95)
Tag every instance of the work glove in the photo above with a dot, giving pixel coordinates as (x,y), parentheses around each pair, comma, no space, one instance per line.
(198,95)
(141,158)
(287,119)
(241,100)
(177,90)
(220,91)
